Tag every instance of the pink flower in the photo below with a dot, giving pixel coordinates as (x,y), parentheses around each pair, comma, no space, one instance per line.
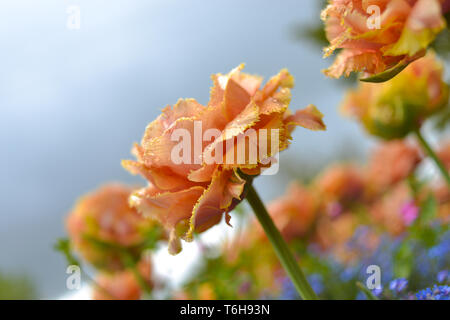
(409,212)
(193,195)
(334,209)
(373,42)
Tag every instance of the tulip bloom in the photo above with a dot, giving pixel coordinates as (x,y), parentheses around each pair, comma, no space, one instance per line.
(294,212)
(122,285)
(334,232)
(394,109)
(442,194)
(193,193)
(395,211)
(341,184)
(444,154)
(102,226)
(391,163)
(378,36)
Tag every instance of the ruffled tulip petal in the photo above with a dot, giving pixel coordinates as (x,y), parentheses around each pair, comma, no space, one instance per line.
(169,208)
(309,118)
(159,151)
(216,200)
(277,103)
(349,61)
(204,174)
(184,108)
(163,178)
(379,45)
(245,120)
(194,180)
(282,80)
(424,23)
(232,92)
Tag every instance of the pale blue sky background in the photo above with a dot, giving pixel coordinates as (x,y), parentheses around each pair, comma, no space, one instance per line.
(73,102)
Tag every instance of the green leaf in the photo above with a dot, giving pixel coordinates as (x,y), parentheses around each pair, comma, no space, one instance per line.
(429,210)
(403,261)
(102,245)
(415,184)
(63,246)
(386,75)
(442,119)
(152,238)
(13,287)
(366,291)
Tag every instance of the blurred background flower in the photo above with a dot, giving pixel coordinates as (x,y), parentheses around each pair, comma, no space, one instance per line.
(106,232)
(401,230)
(380,36)
(396,108)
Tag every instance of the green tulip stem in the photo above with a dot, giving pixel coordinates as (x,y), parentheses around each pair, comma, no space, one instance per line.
(281,249)
(426,146)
